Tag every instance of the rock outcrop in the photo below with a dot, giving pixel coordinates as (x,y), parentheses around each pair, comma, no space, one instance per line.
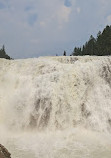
(4,152)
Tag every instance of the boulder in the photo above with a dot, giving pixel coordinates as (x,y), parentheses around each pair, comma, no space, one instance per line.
(4,152)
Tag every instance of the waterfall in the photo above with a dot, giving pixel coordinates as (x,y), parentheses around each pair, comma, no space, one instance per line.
(56,94)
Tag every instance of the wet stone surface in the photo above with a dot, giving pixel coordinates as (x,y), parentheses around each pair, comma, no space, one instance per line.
(4,152)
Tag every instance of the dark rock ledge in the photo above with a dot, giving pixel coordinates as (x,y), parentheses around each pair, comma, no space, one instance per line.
(4,152)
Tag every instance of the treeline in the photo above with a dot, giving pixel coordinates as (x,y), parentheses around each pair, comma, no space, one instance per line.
(3,53)
(100,46)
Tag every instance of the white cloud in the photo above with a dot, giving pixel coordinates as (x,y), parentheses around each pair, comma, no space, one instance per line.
(42,23)
(109,19)
(39,26)
(35,41)
(63,14)
(78,10)
(16,25)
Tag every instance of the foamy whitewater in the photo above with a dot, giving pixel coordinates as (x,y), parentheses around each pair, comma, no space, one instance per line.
(56,107)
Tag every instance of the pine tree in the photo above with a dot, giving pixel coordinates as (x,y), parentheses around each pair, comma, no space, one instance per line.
(99,46)
(3,53)
(64,54)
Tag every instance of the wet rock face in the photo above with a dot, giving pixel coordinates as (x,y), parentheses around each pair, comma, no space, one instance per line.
(4,152)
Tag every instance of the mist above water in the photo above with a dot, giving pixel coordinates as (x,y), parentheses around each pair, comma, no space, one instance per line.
(56,107)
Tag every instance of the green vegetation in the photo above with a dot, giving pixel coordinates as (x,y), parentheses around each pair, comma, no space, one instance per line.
(3,53)
(99,46)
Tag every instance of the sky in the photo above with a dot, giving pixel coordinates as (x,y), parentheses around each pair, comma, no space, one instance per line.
(33,28)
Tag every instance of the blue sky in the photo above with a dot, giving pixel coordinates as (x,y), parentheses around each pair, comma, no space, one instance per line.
(32,28)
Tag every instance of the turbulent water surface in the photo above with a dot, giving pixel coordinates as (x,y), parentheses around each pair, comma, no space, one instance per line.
(56,107)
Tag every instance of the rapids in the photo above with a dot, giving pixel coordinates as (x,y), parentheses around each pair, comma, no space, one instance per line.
(56,107)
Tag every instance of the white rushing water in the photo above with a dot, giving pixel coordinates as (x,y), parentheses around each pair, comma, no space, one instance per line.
(56,107)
